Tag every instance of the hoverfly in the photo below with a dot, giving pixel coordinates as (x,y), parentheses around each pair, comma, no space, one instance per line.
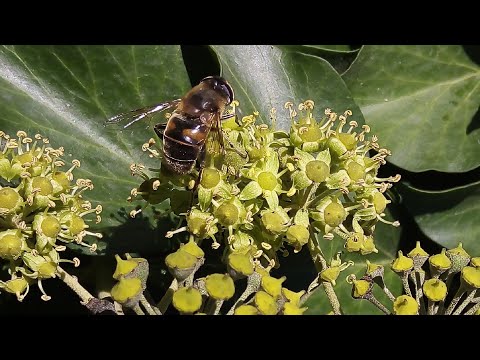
(184,135)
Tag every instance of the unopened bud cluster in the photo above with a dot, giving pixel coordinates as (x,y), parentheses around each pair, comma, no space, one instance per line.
(41,209)
(429,283)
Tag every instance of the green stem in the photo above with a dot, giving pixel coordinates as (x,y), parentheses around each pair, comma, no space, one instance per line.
(148,307)
(474,309)
(464,304)
(138,310)
(165,301)
(378,304)
(455,300)
(320,264)
(72,283)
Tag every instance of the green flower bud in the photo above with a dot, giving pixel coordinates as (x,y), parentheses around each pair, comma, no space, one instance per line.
(11,244)
(241,264)
(297,235)
(348,140)
(361,288)
(374,270)
(334,214)
(10,201)
(405,305)
(273,222)
(355,171)
(60,182)
(44,184)
(293,309)
(181,264)
(227,214)
(402,263)
(311,133)
(265,303)
(471,276)
(273,286)
(47,269)
(354,242)
(368,246)
(127,292)
(293,297)
(336,146)
(379,202)
(133,267)
(317,171)
(192,248)
(459,258)
(330,274)
(267,180)
(210,178)
(187,300)
(220,286)
(418,255)
(475,262)
(256,154)
(439,263)
(16,286)
(435,289)
(74,223)
(124,267)
(246,310)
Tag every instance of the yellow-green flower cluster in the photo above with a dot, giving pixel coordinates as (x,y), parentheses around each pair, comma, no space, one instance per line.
(268,190)
(41,208)
(427,281)
(263,295)
(132,275)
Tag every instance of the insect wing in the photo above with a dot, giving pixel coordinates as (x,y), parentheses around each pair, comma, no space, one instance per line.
(126,119)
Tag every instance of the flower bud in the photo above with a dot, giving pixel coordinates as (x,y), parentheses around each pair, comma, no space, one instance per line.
(297,235)
(317,170)
(127,292)
(405,305)
(10,201)
(220,286)
(459,258)
(265,303)
(227,214)
(272,285)
(210,178)
(402,263)
(246,310)
(471,276)
(181,264)
(361,288)
(293,297)
(187,300)
(240,264)
(293,309)
(435,289)
(273,222)
(75,224)
(419,256)
(11,244)
(334,214)
(267,180)
(439,263)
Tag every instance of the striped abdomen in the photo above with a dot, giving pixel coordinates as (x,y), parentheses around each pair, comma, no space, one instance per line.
(183,139)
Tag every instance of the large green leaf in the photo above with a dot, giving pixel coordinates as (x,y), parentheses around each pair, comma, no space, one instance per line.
(387,241)
(448,216)
(67,92)
(266,76)
(420,101)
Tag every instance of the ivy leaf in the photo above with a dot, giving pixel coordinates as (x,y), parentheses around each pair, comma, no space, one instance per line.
(420,101)
(387,240)
(67,92)
(447,217)
(266,76)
